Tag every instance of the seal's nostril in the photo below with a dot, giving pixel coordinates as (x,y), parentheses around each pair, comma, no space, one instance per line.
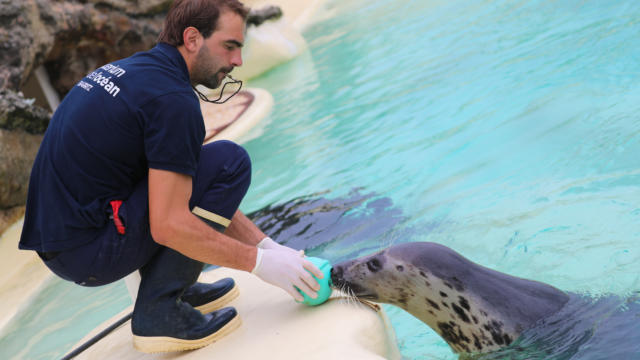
(336,273)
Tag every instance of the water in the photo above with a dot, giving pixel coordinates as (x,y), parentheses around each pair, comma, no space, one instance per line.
(506,130)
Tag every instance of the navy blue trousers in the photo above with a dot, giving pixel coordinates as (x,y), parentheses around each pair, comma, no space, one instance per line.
(221,181)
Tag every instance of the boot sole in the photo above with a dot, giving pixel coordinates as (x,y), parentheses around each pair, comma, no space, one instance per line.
(220,302)
(160,344)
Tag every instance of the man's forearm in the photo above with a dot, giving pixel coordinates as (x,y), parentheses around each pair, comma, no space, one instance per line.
(174,225)
(195,239)
(244,230)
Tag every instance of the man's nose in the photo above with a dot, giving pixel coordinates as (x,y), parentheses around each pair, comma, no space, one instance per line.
(236,58)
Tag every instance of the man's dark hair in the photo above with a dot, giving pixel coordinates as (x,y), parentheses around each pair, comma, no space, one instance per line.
(201,14)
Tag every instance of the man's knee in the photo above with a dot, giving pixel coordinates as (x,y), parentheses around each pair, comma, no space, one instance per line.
(235,157)
(223,177)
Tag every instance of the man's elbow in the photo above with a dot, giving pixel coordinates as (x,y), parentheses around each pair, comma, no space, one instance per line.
(162,233)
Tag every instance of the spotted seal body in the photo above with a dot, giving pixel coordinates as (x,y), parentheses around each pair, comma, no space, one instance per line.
(473,308)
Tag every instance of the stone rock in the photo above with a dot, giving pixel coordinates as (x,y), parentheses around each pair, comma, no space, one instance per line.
(10,216)
(24,40)
(136,7)
(258,16)
(17,151)
(18,113)
(21,128)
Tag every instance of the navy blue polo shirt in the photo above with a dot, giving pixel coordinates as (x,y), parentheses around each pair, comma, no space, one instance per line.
(116,123)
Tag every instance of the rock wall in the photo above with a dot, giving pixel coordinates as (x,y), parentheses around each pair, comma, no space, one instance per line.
(21,128)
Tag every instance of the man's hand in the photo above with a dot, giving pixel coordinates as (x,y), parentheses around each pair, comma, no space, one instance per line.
(287,269)
(268,244)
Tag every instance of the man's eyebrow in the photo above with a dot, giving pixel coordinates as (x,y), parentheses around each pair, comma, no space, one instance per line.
(234,42)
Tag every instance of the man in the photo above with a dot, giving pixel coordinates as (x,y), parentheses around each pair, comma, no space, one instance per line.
(122,182)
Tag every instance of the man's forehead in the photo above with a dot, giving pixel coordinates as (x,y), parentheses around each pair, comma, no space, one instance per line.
(230,27)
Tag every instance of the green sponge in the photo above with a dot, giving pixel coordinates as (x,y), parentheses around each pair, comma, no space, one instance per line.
(325,282)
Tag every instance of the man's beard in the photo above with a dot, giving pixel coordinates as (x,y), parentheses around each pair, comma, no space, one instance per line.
(203,67)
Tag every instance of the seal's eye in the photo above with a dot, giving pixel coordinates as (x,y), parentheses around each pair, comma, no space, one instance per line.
(374,265)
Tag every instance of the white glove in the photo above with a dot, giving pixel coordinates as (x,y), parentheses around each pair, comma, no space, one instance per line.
(286,269)
(268,244)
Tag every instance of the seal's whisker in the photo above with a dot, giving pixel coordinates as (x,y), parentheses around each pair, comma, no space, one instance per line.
(353,297)
(347,295)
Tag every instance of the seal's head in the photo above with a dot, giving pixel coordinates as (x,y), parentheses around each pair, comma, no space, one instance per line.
(399,274)
(374,278)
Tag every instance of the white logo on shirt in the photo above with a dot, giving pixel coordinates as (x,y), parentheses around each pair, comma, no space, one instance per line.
(103,80)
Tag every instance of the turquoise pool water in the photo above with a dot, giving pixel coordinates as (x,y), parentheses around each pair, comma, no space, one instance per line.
(506,130)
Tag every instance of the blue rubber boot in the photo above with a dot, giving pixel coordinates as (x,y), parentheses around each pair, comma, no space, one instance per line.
(210,297)
(161,320)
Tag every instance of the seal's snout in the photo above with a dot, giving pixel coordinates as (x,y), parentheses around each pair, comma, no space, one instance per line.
(343,279)
(337,273)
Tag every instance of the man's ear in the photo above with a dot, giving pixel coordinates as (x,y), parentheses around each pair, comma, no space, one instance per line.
(192,39)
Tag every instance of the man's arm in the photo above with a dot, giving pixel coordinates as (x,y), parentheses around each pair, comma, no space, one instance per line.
(243,229)
(174,226)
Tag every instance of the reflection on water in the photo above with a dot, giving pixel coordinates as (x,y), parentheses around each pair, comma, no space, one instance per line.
(337,228)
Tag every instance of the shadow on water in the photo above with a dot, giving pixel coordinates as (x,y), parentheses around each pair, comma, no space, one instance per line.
(337,228)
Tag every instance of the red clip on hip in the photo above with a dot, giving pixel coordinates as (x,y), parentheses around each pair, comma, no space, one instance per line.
(115,205)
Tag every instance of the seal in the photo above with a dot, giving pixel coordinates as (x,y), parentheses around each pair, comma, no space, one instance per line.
(473,308)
